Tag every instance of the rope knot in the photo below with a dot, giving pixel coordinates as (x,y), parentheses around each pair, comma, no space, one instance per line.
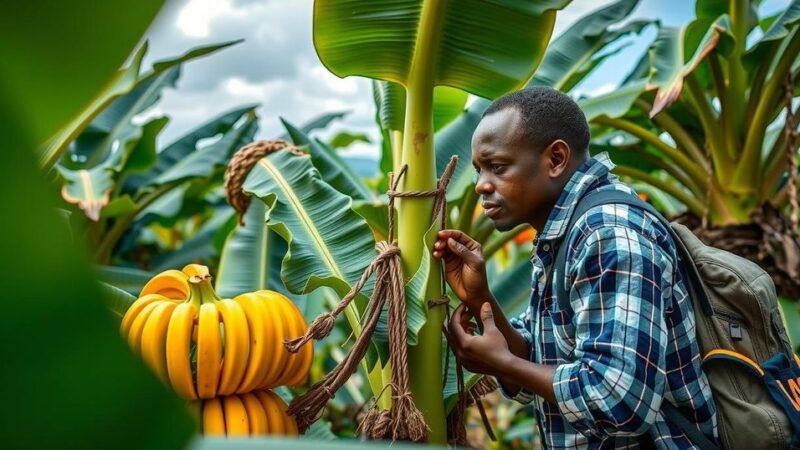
(320,328)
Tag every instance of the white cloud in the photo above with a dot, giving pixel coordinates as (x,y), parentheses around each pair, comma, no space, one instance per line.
(195,17)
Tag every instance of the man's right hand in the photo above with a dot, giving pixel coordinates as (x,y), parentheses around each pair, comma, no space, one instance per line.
(465,269)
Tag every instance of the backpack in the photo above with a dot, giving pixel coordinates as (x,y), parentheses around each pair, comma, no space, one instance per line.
(747,357)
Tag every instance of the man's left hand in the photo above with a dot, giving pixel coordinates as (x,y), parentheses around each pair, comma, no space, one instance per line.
(487,353)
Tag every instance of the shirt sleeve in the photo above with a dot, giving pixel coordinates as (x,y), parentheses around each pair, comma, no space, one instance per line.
(616,383)
(522,325)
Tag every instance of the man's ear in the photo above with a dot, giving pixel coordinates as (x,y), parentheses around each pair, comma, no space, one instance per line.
(559,155)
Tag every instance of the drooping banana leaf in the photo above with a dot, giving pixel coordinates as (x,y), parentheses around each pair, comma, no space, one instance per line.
(117,300)
(91,188)
(345,139)
(331,166)
(778,30)
(671,60)
(124,82)
(202,162)
(186,144)
(615,103)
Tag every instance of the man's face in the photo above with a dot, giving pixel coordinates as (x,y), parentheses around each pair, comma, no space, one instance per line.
(512,177)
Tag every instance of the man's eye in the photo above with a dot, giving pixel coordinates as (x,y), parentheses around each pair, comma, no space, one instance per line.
(496,168)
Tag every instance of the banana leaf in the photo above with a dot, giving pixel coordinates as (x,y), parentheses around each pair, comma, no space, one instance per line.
(128,279)
(330,165)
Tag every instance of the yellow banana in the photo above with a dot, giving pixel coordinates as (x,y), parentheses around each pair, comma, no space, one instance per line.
(279,356)
(209,351)
(154,337)
(275,421)
(135,309)
(261,336)
(135,333)
(306,354)
(291,330)
(237,343)
(290,425)
(179,341)
(170,283)
(213,418)
(236,423)
(255,414)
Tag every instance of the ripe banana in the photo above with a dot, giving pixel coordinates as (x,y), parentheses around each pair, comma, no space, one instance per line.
(135,333)
(135,309)
(237,343)
(255,414)
(179,340)
(154,337)
(261,336)
(278,353)
(306,354)
(170,283)
(213,418)
(291,330)
(236,423)
(275,421)
(209,351)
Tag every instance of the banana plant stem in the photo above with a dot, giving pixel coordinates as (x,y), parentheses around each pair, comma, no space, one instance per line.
(424,359)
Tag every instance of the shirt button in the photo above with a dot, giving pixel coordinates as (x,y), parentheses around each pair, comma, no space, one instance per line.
(546,247)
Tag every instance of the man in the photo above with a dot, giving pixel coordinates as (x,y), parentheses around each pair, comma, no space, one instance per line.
(600,371)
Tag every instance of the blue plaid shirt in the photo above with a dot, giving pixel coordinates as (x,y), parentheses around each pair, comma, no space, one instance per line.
(628,344)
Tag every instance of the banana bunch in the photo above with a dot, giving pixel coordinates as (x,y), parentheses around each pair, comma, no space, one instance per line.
(255,413)
(204,346)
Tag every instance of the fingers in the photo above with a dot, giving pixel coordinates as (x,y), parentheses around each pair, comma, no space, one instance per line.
(460,237)
(487,317)
(456,328)
(442,246)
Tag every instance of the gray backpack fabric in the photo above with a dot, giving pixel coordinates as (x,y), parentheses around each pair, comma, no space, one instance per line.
(746,352)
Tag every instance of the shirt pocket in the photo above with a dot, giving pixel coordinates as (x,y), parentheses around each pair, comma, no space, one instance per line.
(563,333)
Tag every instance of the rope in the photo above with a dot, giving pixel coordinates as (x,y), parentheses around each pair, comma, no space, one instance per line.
(790,128)
(403,420)
(241,164)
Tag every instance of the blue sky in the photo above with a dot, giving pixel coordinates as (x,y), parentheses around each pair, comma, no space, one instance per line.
(276,65)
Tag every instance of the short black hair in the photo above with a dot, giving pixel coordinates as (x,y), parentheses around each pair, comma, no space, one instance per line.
(547,115)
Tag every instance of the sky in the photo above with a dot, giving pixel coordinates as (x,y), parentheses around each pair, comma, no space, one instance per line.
(276,65)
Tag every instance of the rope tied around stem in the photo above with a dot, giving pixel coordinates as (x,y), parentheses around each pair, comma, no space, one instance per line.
(403,421)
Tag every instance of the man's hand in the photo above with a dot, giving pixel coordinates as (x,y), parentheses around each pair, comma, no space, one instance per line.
(465,269)
(487,353)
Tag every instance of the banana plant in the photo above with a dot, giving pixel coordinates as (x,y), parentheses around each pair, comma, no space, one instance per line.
(417,45)
(111,167)
(704,123)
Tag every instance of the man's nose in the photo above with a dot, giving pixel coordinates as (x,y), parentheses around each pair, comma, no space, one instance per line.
(483,187)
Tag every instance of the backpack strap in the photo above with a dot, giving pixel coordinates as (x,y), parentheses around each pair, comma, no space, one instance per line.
(695,284)
(617,197)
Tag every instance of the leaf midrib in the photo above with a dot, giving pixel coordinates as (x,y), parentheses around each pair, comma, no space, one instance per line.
(304,217)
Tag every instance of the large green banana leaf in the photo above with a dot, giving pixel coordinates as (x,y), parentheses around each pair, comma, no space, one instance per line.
(71,380)
(109,101)
(778,30)
(329,244)
(566,61)
(378,40)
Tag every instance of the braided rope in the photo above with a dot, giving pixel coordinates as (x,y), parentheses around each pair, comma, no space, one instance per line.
(241,164)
